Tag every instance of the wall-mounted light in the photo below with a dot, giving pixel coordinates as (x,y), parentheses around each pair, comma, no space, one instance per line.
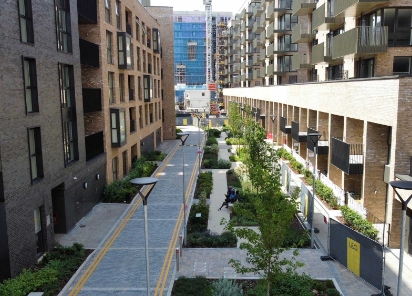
(97,176)
(85,185)
(74,178)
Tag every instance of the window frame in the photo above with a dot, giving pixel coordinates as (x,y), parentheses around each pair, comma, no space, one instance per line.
(107,12)
(156,40)
(62,7)
(118,127)
(147,88)
(37,154)
(125,51)
(109,47)
(409,73)
(111,85)
(115,168)
(32,77)
(28,20)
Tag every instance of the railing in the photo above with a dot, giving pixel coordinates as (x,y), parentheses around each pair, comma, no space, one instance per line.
(94,145)
(338,192)
(92,100)
(89,53)
(87,11)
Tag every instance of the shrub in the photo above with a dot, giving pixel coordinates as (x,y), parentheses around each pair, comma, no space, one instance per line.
(208,239)
(214,132)
(209,163)
(155,155)
(358,223)
(204,184)
(234,158)
(224,164)
(225,287)
(199,285)
(198,224)
(210,141)
(214,149)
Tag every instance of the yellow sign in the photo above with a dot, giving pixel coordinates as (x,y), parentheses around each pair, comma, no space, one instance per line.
(306,205)
(226,122)
(353,256)
(210,123)
(184,121)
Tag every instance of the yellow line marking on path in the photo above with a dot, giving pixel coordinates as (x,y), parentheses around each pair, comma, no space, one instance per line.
(89,271)
(169,256)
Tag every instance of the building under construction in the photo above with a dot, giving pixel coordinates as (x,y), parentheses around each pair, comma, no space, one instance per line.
(190,49)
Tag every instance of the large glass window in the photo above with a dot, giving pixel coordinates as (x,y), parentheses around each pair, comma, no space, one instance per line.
(366,68)
(402,65)
(111,87)
(109,47)
(66,86)
(115,168)
(69,142)
(121,87)
(35,153)
(30,85)
(64,39)
(125,51)
(107,10)
(26,21)
(156,41)
(148,88)
(118,126)
(118,21)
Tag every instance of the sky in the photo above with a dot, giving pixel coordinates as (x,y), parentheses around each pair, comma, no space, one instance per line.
(190,5)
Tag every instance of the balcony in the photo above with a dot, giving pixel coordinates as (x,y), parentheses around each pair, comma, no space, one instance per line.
(258,27)
(274,11)
(250,36)
(249,63)
(243,65)
(258,10)
(249,76)
(263,72)
(89,54)
(94,145)
(302,34)
(301,61)
(286,129)
(354,8)
(236,23)
(87,11)
(269,50)
(318,54)
(360,41)
(285,48)
(303,7)
(256,58)
(243,14)
(243,77)
(249,25)
(269,70)
(243,26)
(243,52)
(256,74)
(236,57)
(322,22)
(269,31)
(347,157)
(298,136)
(262,55)
(257,42)
(249,50)
(92,100)
(280,69)
(323,146)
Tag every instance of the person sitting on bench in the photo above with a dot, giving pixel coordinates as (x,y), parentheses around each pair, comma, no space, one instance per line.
(230,197)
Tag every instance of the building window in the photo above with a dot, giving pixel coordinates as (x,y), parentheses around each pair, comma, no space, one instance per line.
(69,142)
(132,116)
(111,87)
(138,62)
(118,126)
(399,23)
(156,41)
(365,68)
(148,88)
(35,154)
(125,51)
(30,85)
(109,43)
(180,74)
(38,231)
(107,10)
(130,84)
(402,65)
(26,21)
(124,158)
(140,117)
(64,39)
(139,88)
(137,29)
(118,21)
(115,168)
(66,86)
(121,87)
(191,50)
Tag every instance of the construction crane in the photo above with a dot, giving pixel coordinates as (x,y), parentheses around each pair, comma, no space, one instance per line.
(209,52)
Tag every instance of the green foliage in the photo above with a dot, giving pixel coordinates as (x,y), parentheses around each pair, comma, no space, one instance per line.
(120,190)
(204,184)
(234,158)
(178,130)
(235,141)
(326,194)
(224,164)
(215,132)
(210,141)
(155,155)
(209,164)
(197,286)
(286,284)
(358,223)
(214,149)
(207,239)
(198,224)
(233,179)
(226,287)
(57,266)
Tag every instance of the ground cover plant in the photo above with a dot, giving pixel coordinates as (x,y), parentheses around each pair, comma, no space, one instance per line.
(121,191)
(155,155)
(204,184)
(50,275)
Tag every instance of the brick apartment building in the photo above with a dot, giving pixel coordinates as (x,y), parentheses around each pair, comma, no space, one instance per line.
(340,68)
(81,98)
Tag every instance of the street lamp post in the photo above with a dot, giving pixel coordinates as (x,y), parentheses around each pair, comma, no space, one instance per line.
(314,137)
(183,138)
(273,118)
(145,181)
(405,185)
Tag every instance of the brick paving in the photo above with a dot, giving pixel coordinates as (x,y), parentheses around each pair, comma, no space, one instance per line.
(122,270)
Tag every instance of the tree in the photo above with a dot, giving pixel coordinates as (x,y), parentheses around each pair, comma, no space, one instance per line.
(235,120)
(270,208)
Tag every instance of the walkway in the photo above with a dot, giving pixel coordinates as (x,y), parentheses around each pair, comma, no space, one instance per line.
(118,265)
